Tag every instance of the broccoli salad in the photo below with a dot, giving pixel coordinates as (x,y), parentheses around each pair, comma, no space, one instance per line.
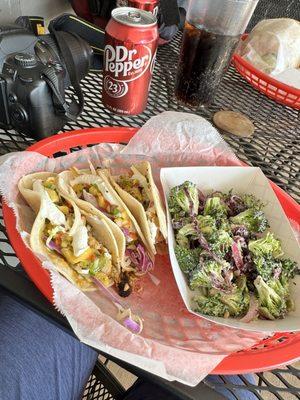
(236,268)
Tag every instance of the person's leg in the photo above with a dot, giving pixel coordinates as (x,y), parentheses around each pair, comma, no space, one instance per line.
(39,361)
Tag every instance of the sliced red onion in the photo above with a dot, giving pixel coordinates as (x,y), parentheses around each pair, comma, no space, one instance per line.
(204,243)
(146,262)
(224,285)
(202,197)
(237,256)
(104,289)
(133,255)
(241,242)
(277,272)
(127,234)
(90,198)
(128,322)
(252,312)
(240,230)
(235,205)
(140,258)
(132,325)
(53,246)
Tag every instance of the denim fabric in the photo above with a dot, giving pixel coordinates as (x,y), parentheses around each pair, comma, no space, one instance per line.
(39,361)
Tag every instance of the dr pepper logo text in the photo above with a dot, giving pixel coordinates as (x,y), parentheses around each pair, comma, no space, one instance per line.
(126,64)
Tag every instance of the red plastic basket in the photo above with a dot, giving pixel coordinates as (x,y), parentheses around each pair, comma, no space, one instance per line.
(275,90)
(281,349)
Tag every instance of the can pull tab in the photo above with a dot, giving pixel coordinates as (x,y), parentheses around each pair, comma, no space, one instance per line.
(135,16)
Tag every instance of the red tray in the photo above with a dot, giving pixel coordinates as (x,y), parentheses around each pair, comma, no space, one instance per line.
(281,349)
(275,90)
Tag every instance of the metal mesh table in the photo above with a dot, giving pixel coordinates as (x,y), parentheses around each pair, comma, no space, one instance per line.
(275,148)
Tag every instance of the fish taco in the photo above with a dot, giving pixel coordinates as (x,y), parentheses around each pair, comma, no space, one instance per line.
(95,195)
(138,191)
(78,245)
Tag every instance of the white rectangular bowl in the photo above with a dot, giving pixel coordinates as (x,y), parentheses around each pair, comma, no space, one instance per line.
(241,180)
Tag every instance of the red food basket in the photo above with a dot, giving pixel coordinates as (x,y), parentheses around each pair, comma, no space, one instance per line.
(275,90)
(280,349)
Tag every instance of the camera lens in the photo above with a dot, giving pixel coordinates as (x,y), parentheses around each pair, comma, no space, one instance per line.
(49,51)
(79,50)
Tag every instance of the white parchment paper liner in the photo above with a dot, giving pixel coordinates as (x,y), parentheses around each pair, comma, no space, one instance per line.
(174,343)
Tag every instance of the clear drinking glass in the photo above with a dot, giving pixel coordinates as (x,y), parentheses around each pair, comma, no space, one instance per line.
(211,33)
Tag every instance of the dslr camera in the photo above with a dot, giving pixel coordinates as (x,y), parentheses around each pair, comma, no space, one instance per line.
(35,72)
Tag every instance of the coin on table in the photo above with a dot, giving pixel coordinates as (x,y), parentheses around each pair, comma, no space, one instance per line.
(234,122)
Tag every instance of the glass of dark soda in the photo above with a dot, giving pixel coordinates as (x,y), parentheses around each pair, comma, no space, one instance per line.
(211,33)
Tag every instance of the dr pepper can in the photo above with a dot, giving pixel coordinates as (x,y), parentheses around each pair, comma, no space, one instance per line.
(129,55)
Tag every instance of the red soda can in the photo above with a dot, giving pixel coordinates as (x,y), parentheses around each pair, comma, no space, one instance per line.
(131,38)
(147,5)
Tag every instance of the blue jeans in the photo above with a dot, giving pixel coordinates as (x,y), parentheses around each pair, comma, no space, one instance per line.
(39,361)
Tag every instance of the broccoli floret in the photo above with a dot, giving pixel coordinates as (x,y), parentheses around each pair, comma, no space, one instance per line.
(215,207)
(224,225)
(206,224)
(238,300)
(251,201)
(219,194)
(271,304)
(209,272)
(188,259)
(182,241)
(220,304)
(188,230)
(267,246)
(289,268)
(179,223)
(280,286)
(266,266)
(254,220)
(211,305)
(222,242)
(184,233)
(184,199)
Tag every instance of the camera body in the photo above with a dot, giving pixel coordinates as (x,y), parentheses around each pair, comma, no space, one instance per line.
(35,71)
(26,98)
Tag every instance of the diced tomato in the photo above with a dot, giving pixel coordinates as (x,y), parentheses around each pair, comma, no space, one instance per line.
(133,235)
(58,238)
(92,257)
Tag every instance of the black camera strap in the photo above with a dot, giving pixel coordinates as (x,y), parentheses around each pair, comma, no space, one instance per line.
(58,100)
(74,109)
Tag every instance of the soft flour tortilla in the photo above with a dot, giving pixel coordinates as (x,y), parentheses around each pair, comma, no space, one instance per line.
(68,178)
(104,174)
(117,239)
(104,235)
(39,247)
(25,186)
(145,169)
(137,208)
